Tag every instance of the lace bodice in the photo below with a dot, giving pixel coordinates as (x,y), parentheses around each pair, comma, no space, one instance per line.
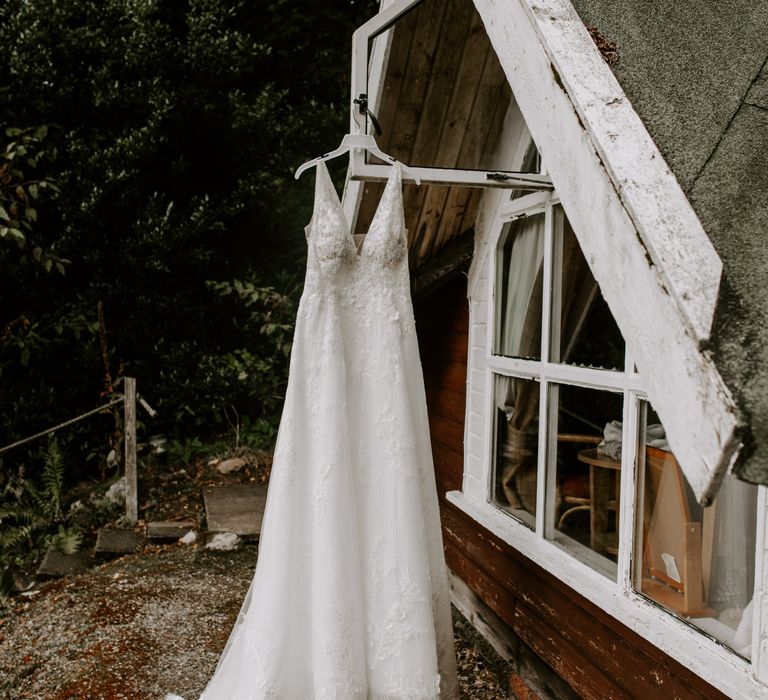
(333,261)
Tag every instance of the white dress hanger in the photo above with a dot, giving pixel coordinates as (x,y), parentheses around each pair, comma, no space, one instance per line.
(365,141)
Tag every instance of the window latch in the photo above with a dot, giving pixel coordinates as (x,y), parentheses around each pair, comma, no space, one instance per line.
(362,102)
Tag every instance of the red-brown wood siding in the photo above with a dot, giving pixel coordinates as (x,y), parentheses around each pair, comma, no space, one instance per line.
(594,653)
(442,323)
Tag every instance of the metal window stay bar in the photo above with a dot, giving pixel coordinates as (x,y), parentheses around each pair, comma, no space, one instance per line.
(360,170)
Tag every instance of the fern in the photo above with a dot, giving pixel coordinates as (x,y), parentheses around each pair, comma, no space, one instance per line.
(29,512)
(11,537)
(67,540)
(53,478)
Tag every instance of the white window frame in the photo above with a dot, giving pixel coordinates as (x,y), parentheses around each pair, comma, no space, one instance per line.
(547,373)
(704,655)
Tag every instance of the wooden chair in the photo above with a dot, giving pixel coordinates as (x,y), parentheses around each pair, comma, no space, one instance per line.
(575,488)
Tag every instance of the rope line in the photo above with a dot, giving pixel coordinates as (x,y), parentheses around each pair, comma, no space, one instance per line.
(62,425)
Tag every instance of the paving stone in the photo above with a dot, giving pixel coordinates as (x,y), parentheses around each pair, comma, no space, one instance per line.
(56,563)
(110,541)
(169,529)
(237,509)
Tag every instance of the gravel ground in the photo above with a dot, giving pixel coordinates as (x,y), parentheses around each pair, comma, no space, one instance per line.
(145,624)
(153,622)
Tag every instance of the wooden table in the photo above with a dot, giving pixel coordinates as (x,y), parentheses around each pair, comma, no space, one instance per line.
(602,470)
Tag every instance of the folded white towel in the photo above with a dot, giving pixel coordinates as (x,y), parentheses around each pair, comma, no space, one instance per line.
(611,444)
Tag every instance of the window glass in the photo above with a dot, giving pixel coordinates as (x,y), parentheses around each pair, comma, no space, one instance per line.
(588,471)
(516,408)
(531,164)
(698,563)
(584,331)
(519,276)
(444,95)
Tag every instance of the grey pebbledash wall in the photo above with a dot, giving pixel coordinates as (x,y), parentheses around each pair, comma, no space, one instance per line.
(697,74)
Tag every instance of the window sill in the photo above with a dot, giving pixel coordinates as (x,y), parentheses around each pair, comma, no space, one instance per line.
(710,660)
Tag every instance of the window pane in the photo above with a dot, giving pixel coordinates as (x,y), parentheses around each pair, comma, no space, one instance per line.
(586,334)
(519,273)
(444,95)
(516,446)
(531,164)
(588,458)
(698,563)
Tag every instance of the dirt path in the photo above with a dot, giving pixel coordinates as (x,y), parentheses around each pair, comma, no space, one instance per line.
(133,628)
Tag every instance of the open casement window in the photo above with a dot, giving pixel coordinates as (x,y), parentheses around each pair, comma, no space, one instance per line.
(427,71)
(446,81)
(574,442)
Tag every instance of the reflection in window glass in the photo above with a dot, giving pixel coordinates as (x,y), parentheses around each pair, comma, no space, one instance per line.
(519,271)
(698,563)
(516,447)
(588,452)
(587,332)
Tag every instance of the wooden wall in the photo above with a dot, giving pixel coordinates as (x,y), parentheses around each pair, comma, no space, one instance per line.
(442,323)
(596,655)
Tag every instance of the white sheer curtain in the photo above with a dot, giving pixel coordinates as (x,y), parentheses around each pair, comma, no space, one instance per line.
(515,283)
(518,298)
(518,334)
(732,572)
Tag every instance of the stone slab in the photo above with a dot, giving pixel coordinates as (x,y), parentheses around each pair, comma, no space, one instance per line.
(169,529)
(56,563)
(237,509)
(112,541)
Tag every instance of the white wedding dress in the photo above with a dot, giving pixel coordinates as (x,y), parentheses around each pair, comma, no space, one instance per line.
(349,600)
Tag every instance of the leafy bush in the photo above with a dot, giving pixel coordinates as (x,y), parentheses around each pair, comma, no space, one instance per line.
(174,127)
(184,451)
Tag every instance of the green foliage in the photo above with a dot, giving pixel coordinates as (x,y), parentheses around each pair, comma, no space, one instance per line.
(53,478)
(31,516)
(258,434)
(174,130)
(184,451)
(67,539)
(22,188)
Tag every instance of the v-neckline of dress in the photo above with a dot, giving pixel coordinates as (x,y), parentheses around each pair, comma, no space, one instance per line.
(394,175)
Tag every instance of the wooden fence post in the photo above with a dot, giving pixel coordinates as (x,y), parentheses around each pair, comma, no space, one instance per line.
(131,482)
